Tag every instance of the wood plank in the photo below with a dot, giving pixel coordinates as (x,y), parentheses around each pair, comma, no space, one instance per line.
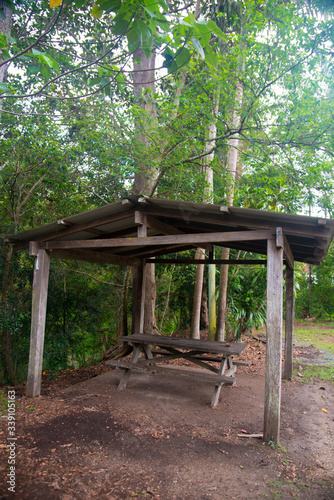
(127,372)
(164,228)
(254,262)
(206,358)
(235,348)
(93,256)
(196,216)
(151,252)
(38,316)
(172,371)
(186,239)
(282,242)
(289,317)
(274,342)
(138,297)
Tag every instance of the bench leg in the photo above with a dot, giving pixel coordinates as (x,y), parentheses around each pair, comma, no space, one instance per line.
(127,372)
(216,392)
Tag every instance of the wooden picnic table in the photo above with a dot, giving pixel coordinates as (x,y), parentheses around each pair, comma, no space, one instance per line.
(198,352)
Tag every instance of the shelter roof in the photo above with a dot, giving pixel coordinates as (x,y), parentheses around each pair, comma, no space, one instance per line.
(110,233)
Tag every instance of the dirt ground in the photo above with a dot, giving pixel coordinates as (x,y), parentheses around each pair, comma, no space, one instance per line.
(160,439)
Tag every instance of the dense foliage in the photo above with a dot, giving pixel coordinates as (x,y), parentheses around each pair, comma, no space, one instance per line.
(70,142)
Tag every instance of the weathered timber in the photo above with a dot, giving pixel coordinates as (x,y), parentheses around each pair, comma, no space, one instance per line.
(209,346)
(151,252)
(92,256)
(282,242)
(235,221)
(274,342)
(138,297)
(162,227)
(240,262)
(289,317)
(161,240)
(38,315)
(221,379)
(127,372)
(255,436)
(78,228)
(205,358)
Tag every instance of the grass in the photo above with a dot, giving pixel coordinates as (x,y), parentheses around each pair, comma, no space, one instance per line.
(311,371)
(320,335)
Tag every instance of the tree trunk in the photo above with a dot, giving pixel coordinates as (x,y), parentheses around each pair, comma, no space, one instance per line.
(5,27)
(200,254)
(232,165)
(143,85)
(196,314)
(146,170)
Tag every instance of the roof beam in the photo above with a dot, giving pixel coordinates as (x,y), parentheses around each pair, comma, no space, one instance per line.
(240,262)
(91,256)
(185,219)
(186,239)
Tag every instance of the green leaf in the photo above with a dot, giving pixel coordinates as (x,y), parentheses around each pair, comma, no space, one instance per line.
(205,33)
(52,63)
(182,57)
(145,33)
(96,11)
(93,81)
(215,29)
(4,87)
(45,72)
(198,47)
(133,38)
(210,56)
(163,4)
(152,14)
(190,19)
(121,25)
(184,23)
(33,69)
(110,5)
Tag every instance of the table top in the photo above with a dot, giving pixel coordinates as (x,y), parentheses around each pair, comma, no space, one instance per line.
(207,346)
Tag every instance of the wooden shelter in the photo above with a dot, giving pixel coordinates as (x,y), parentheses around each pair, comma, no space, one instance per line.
(137,231)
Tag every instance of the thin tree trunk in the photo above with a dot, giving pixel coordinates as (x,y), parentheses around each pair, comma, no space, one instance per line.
(5,27)
(208,198)
(232,165)
(196,314)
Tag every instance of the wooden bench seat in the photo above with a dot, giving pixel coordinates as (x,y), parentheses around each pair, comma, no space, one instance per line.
(208,377)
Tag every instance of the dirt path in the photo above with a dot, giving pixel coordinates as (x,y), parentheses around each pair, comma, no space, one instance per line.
(160,439)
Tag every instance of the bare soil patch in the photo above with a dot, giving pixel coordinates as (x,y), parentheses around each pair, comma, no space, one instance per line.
(159,438)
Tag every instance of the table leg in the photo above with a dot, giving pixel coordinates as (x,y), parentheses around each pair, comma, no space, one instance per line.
(218,386)
(127,372)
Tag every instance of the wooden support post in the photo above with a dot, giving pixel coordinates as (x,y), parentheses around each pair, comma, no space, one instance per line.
(139,281)
(289,317)
(38,315)
(138,298)
(212,297)
(274,342)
